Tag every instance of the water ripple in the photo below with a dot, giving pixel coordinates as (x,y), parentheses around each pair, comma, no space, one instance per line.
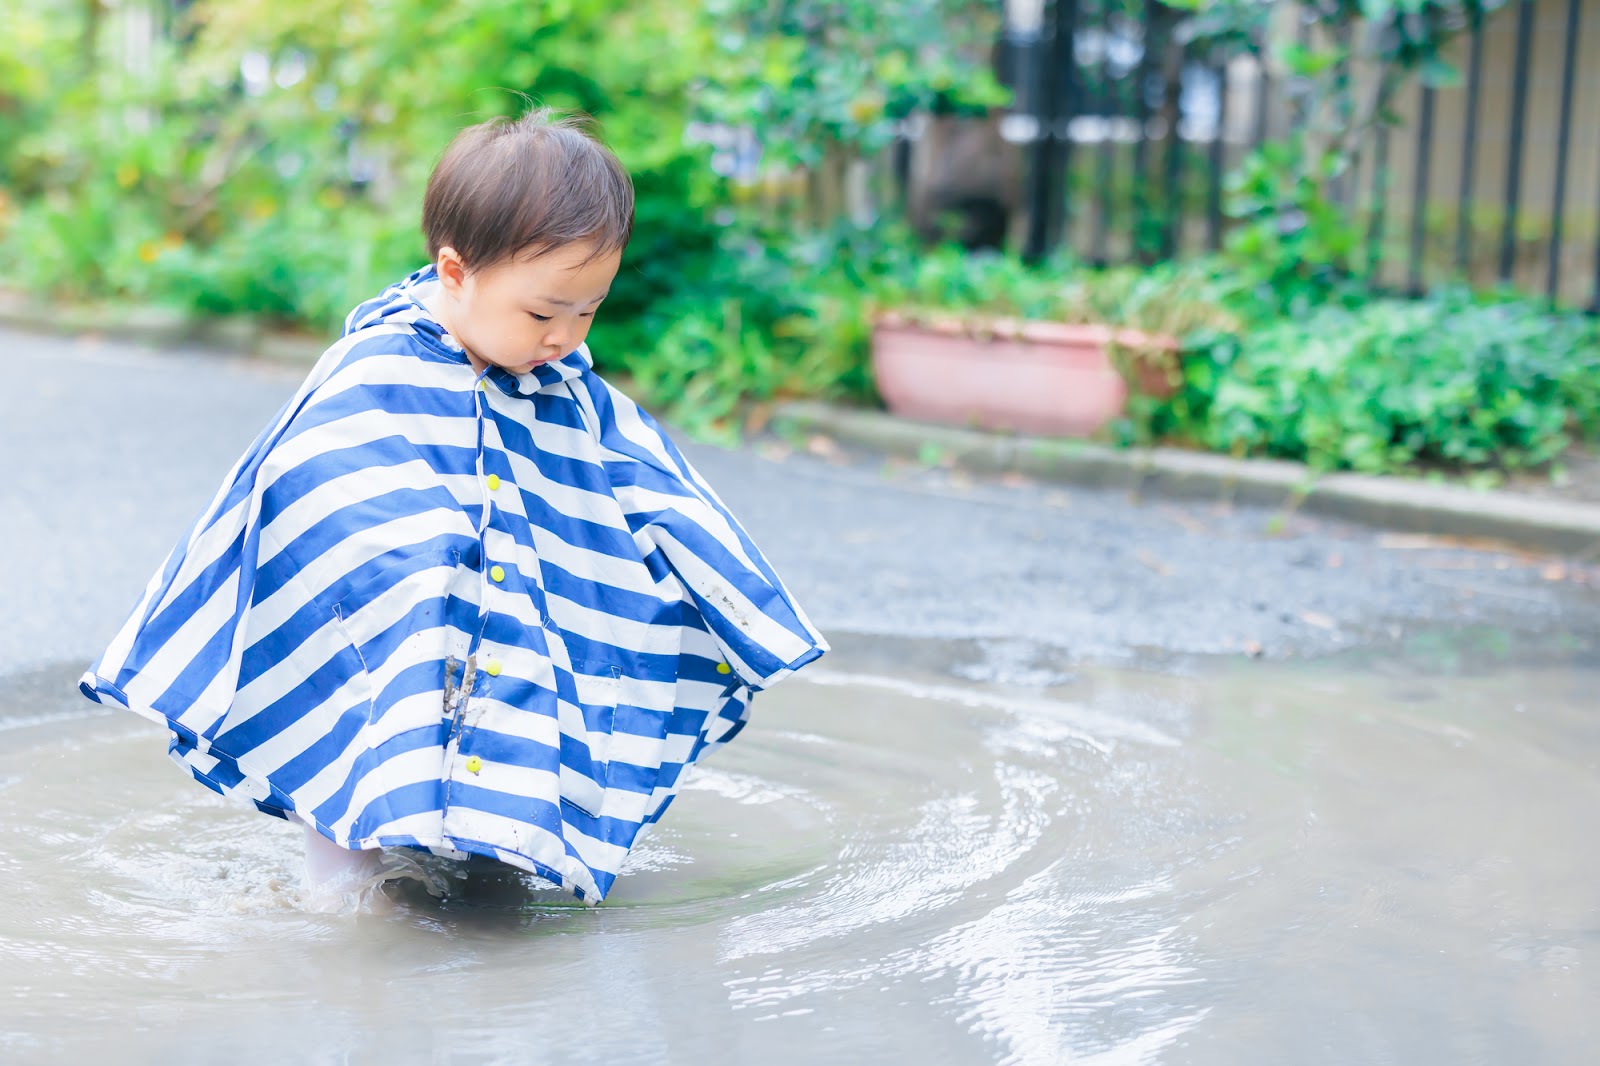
(881,869)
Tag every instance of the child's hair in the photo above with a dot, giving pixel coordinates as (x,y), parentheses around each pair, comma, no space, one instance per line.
(520,188)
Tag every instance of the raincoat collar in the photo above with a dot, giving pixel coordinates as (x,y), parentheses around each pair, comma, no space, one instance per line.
(407,302)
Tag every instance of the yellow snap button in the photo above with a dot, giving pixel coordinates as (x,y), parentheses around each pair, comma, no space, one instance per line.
(496,574)
(493,666)
(483,386)
(474,764)
(494,482)
(724,668)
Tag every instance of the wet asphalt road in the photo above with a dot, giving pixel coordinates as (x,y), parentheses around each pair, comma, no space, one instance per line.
(108,451)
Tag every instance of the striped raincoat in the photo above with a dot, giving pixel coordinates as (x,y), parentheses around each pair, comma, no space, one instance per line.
(490,614)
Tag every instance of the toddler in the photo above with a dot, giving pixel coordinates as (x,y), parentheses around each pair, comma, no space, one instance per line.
(462,595)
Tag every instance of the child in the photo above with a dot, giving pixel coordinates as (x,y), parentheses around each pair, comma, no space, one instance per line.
(462,595)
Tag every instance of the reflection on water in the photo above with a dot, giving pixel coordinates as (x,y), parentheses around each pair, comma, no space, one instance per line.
(997,861)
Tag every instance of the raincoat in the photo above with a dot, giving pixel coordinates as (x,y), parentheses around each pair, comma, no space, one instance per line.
(473,613)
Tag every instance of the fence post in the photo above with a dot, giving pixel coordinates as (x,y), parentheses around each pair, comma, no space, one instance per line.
(1519,108)
(1055,78)
(1419,193)
(1111,113)
(1563,146)
(1469,148)
(1218,157)
(1149,21)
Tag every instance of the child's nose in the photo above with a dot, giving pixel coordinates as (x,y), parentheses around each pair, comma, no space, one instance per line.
(557,337)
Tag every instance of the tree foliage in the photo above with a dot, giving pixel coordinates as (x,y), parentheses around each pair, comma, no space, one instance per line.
(270,158)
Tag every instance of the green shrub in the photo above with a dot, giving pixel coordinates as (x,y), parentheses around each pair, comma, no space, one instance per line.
(185,186)
(1176,299)
(1451,380)
(775,318)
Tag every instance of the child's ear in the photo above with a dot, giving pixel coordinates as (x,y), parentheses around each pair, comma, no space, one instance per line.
(452,270)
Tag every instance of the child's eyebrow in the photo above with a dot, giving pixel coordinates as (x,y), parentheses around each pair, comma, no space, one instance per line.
(572,303)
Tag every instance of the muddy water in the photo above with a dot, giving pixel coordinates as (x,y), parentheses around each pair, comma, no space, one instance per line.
(1342,862)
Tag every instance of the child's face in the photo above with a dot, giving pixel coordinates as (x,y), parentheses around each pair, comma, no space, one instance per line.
(523,312)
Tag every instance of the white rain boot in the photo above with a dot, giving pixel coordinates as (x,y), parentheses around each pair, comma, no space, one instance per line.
(337,877)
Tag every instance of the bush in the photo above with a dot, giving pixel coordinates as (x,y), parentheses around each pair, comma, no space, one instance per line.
(780,317)
(295,191)
(1177,299)
(1452,381)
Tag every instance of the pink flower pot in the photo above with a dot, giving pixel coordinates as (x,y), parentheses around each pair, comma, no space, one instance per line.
(1032,377)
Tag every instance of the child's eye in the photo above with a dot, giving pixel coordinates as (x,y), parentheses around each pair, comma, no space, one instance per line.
(587,314)
(540,318)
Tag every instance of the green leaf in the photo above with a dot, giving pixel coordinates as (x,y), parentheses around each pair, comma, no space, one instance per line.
(1307,62)
(1436,73)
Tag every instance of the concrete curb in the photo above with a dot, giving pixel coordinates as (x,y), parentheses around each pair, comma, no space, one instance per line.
(161,327)
(1392,503)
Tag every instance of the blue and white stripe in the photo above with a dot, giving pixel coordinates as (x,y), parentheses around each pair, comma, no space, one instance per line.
(490,614)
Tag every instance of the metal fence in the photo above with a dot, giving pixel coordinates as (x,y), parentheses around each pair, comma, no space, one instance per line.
(1129,125)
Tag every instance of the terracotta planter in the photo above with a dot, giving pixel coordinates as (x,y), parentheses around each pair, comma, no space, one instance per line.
(1033,377)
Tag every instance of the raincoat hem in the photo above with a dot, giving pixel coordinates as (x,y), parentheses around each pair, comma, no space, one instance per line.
(105,692)
(762,683)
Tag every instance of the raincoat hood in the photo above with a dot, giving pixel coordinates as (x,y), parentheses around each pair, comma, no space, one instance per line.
(407,302)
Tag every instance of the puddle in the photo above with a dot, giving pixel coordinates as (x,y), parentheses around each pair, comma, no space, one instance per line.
(1383,860)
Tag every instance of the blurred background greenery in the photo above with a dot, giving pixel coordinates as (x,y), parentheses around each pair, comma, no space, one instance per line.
(269,160)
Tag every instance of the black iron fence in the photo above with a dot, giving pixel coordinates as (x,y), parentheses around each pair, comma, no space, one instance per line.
(1129,124)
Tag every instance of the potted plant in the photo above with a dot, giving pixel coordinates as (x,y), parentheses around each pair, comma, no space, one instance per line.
(985,341)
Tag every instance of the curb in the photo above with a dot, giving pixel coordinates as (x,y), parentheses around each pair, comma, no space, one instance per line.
(161,327)
(1526,522)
